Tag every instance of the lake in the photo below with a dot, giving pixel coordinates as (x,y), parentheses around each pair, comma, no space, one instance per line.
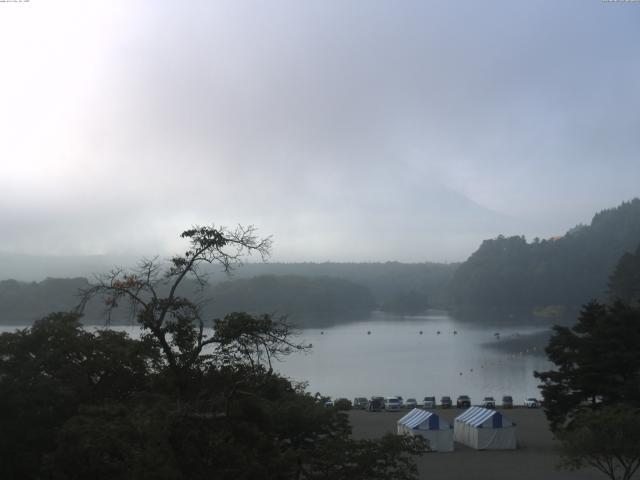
(386,355)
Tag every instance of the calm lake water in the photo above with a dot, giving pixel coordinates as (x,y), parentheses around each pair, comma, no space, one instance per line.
(395,359)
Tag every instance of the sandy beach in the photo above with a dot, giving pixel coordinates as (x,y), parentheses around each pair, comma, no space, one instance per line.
(535,458)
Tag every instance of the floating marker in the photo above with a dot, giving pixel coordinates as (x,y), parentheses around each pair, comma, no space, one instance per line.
(420,332)
(368,332)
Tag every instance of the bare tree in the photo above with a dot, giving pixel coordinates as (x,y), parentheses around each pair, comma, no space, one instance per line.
(151,290)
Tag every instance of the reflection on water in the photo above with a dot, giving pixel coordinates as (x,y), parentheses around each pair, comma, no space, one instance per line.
(387,355)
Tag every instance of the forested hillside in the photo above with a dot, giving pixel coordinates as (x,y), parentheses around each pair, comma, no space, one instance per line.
(624,283)
(569,270)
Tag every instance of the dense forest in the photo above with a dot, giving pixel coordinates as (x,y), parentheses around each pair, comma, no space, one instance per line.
(568,270)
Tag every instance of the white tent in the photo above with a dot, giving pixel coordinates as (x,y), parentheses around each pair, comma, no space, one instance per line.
(485,429)
(436,431)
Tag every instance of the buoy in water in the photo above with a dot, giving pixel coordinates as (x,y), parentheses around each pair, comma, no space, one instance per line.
(420,332)
(368,332)
(438,332)
(455,332)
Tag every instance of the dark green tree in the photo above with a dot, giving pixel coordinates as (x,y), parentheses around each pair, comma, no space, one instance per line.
(624,282)
(607,439)
(343,404)
(597,363)
(48,372)
(123,440)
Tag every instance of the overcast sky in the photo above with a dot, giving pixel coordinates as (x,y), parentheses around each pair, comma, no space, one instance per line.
(348,130)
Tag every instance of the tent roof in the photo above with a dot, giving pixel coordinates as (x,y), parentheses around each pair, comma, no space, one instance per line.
(417,417)
(476,416)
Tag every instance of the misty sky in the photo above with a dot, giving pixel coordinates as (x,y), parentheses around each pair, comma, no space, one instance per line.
(349,130)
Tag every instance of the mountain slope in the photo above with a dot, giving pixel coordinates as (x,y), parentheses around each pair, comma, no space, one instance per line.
(570,270)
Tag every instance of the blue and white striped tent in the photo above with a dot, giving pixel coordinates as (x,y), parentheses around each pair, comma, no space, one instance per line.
(485,429)
(436,431)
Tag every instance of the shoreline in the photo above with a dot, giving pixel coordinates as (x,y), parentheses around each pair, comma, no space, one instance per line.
(524,344)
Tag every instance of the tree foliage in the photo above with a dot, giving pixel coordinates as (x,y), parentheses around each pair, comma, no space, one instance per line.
(592,398)
(597,363)
(48,371)
(607,439)
(624,282)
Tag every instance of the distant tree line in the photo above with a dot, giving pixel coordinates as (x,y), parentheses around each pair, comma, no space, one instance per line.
(505,272)
(283,293)
(290,295)
(24,302)
(407,303)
